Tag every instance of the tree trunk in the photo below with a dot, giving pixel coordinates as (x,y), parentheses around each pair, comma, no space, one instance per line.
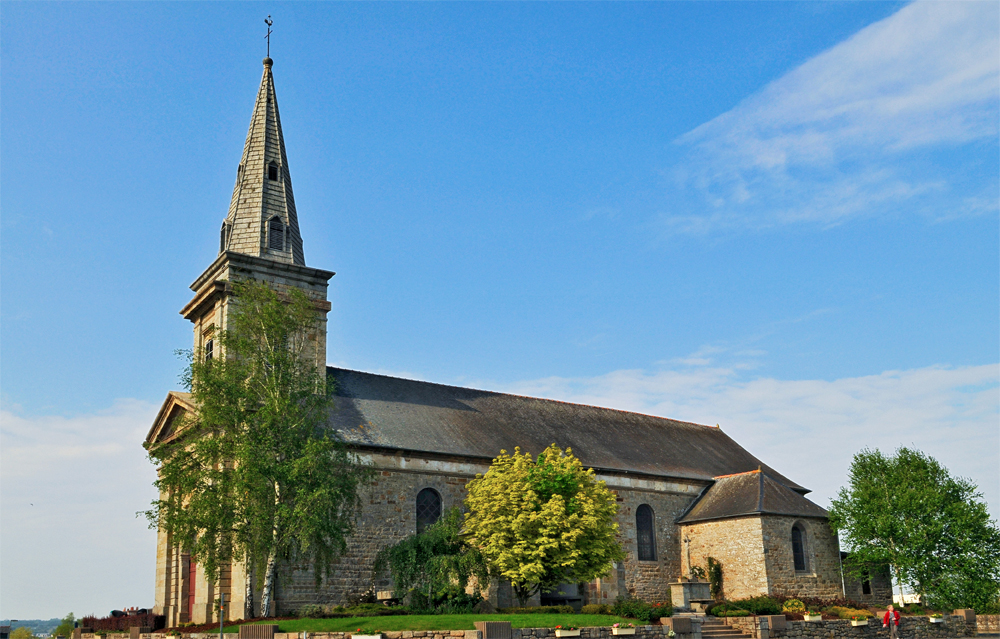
(272,559)
(248,605)
(268,594)
(523,595)
(899,582)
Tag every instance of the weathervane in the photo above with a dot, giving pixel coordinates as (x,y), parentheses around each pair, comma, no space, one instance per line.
(268,22)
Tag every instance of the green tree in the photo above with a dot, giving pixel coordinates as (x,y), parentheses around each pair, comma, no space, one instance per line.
(22,632)
(65,627)
(255,476)
(933,530)
(433,562)
(540,523)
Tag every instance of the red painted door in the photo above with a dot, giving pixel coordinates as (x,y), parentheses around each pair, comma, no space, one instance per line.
(192,573)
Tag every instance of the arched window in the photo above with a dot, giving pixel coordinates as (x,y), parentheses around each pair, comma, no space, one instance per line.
(275,234)
(223,237)
(272,171)
(428,508)
(645,535)
(799,548)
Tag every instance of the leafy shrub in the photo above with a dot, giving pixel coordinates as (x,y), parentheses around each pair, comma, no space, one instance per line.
(760,605)
(753,605)
(793,605)
(714,577)
(317,611)
(311,611)
(452,600)
(818,603)
(843,612)
(631,608)
(734,613)
(662,609)
(596,609)
(537,610)
(638,609)
(720,608)
(990,608)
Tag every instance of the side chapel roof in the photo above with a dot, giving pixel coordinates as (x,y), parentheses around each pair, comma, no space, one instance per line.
(750,493)
(400,414)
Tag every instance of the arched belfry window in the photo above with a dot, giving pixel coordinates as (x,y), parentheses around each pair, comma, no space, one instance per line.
(428,508)
(799,548)
(645,533)
(272,171)
(275,234)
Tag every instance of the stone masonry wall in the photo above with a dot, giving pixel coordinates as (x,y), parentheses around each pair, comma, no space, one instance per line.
(738,545)
(822,575)
(909,628)
(650,580)
(988,624)
(879,586)
(388,515)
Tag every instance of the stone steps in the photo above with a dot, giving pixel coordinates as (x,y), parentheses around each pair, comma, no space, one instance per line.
(713,628)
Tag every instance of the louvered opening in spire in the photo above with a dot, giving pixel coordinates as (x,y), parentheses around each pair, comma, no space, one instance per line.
(263,191)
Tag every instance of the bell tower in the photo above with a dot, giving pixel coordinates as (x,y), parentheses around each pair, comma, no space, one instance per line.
(259,238)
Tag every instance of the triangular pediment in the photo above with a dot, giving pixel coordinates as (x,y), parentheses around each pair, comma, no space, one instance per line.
(175,407)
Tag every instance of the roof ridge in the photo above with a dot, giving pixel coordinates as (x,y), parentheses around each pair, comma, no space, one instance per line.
(541,399)
(745,472)
(760,490)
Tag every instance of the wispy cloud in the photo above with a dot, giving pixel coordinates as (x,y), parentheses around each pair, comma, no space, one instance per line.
(810,429)
(69,490)
(857,130)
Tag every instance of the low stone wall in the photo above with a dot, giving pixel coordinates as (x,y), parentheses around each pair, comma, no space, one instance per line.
(594,632)
(397,634)
(909,628)
(988,624)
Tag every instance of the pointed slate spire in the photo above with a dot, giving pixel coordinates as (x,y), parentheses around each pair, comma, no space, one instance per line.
(262,219)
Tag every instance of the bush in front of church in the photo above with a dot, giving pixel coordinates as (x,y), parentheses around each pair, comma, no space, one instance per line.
(319,611)
(638,609)
(542,522)
(752,605)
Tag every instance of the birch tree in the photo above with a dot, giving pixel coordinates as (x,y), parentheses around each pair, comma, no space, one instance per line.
(255,477)
(933,530)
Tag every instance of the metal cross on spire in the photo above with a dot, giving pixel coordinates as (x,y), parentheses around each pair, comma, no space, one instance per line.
(268,22)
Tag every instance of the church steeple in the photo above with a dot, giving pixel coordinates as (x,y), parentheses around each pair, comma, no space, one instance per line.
(260,236)
(262,221)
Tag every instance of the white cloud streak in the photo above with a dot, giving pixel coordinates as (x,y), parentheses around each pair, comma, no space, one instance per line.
(853,131)
(69,491)
(810,429)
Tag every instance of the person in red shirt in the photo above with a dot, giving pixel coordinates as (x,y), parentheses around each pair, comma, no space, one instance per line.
(891,620)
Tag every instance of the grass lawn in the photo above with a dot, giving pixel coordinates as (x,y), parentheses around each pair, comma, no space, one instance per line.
(369,625)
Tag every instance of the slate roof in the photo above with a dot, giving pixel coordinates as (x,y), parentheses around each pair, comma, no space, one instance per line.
(752,493)
(256,197)
(400,414)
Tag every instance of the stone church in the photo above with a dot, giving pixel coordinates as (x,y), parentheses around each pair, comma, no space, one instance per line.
(685,491)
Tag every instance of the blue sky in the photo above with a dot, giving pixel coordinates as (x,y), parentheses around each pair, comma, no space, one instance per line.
(778,217)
